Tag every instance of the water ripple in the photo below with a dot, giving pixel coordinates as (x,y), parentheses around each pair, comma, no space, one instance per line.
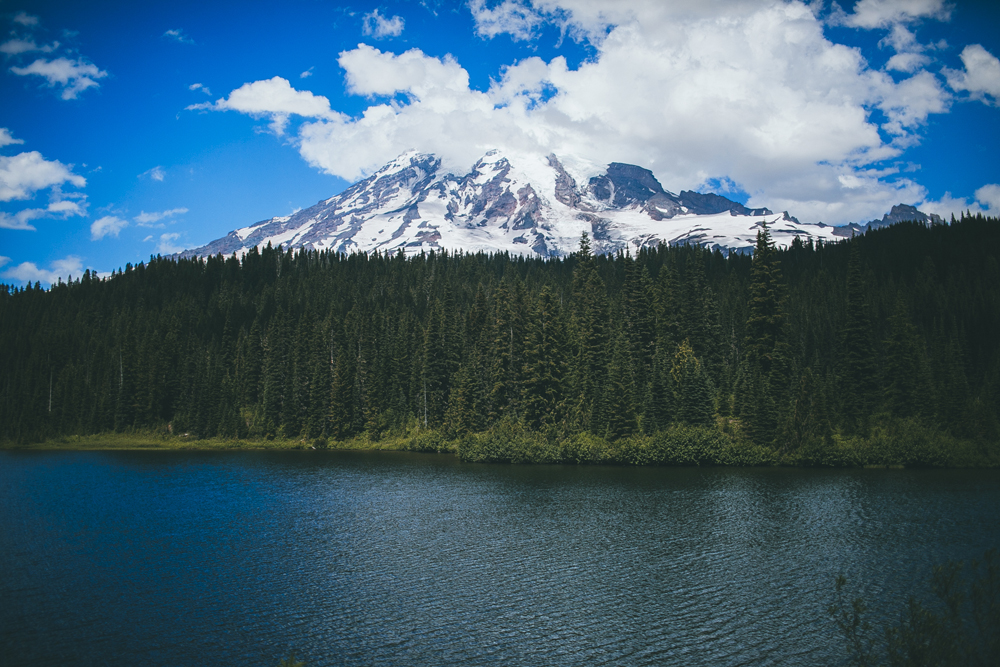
(169,558)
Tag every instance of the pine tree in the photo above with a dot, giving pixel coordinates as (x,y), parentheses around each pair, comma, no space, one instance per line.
(436,366)
(907,385)
(692,388)
(620,417)
(341,415)
(807,425)
(275,350)
(858,367)
(590,320)
(544,363)
(766,322)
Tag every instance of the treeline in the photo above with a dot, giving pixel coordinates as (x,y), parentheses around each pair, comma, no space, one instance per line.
(880,349)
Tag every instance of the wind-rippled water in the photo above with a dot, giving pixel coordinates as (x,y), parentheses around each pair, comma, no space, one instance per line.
(191,558)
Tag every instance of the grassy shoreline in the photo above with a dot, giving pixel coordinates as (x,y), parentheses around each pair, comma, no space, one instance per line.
(156,441)
(898,445)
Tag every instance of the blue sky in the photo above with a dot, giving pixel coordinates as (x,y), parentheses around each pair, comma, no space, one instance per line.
(132,129)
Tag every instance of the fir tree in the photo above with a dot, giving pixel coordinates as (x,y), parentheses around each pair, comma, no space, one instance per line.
(692,388)
(544,363)
(858,366)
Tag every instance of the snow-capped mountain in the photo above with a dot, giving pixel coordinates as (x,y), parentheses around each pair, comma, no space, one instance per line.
(520,204)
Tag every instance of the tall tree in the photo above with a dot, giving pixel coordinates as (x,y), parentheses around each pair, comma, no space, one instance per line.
(858,369)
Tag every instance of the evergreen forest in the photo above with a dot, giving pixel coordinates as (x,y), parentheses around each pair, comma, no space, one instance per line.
(883,349)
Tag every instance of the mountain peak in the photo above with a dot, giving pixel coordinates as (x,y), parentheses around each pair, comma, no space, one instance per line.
(522,204)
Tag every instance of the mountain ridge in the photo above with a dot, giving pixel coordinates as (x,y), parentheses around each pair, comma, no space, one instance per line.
(523,204)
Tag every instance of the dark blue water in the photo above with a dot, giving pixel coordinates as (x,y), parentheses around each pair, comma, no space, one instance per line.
(197,558)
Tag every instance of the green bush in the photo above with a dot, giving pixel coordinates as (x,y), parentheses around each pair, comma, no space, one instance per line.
(509,442)
(586,447)
(428,441)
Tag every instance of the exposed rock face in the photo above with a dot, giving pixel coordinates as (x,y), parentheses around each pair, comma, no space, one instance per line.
(902,213)
(523,205)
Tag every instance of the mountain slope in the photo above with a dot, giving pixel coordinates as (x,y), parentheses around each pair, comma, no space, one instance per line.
(514,203)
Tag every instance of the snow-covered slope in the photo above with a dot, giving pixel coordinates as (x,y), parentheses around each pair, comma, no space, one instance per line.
(523,204)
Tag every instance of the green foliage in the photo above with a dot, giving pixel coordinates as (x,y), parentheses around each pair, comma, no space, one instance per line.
(291,661)
(880,350)
(959,627)
(428,441)
(509,442)
(692,388)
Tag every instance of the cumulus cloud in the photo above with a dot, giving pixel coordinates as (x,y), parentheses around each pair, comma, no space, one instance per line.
(990,196)
(4,260)
(981,77)
(29,272)
(755,95)
(151,219)
(26,19)
(22,175)
(198,86)
(883,13)
(308,73)
(18,46)
(380,27)
(986,200)
(156,173)
(178,35)
(6,138)
(57,209)
(516,19)
(948,205)
(74,76)
(109,225)
(275,99)
(25,175)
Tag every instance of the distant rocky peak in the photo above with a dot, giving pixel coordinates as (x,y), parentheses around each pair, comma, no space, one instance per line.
(522,204)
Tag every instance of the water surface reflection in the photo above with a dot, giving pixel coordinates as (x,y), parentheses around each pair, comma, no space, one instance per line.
(379,558)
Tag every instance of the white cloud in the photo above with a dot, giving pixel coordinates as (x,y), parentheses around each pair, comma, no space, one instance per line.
(178,36)
(156,173)
(4,260)
(273,98)
(28,272)
(948,205)
(380,27)
(6,138)
(907,62)
(18,46)
(883,13)
(24,174)
(166,245)
(198,86)
(517,19)
(109,225)
(308,73)
(20,220)
(26,19)
(981,77)
(990,196)
(371,72)
(74,76)
(57,209)
(755,94)
(150,219)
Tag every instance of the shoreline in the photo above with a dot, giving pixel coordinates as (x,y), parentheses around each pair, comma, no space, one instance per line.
(156,442)
(405,443)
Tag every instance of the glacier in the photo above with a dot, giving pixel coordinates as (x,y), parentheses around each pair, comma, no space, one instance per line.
(522,204)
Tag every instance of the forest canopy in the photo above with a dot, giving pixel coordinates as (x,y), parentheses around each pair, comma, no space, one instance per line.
(879,349)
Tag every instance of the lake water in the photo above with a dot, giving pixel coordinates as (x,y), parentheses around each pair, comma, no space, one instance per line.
(198,558)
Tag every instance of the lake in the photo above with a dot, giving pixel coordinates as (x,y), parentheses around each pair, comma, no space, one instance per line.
(348,558)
